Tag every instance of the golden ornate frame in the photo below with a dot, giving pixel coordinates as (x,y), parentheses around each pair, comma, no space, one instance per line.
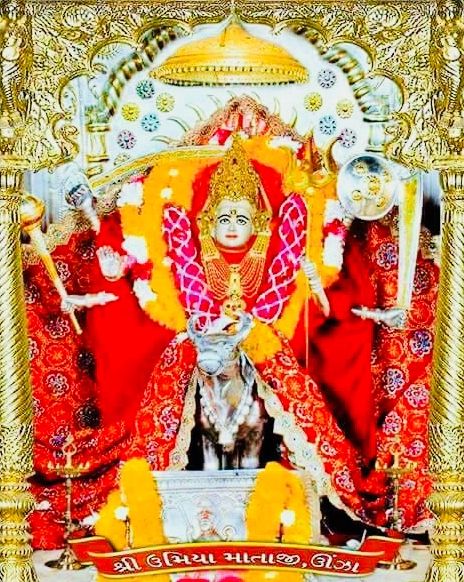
(45,43)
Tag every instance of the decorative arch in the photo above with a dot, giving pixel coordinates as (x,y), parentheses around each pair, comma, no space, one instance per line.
(155,41)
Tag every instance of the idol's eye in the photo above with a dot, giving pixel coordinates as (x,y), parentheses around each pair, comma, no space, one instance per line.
(224,220)
(242,220)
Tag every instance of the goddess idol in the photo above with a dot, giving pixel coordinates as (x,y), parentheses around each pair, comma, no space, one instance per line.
(230,393)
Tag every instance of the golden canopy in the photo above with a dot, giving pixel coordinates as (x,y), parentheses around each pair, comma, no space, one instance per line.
(233,57)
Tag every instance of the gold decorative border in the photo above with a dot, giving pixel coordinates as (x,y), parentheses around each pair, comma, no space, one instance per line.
(66,36)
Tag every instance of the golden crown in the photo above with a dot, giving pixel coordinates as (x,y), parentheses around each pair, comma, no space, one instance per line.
(234,57)
(235,178)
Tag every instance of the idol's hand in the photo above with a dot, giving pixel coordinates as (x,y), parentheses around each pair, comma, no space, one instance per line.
(310,270)
(323,303)
(395,317)
(112,264)
(89,211)
(73,302)
(79,195)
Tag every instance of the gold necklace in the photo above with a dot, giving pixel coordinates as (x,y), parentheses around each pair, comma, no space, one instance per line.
(243,279)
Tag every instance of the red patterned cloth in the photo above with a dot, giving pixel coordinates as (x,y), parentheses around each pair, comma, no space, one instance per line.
(340,349)
(402,370)
(65,397)
(374,379)
(158,422)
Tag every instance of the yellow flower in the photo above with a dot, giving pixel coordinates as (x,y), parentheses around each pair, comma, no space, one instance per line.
(108,526)
(262,343)
(165,102)
(360,168)
(313,101)
(143,504)
(277,511)
(130,111)
(345,108)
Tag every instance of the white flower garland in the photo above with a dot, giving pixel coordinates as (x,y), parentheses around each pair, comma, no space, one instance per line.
(136,247)
(131,193)
(334,243)
(143,292)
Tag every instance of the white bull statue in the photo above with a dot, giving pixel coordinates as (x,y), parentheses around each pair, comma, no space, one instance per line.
(231,417)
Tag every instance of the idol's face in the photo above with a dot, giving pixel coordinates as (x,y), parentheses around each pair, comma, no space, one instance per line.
(234,223)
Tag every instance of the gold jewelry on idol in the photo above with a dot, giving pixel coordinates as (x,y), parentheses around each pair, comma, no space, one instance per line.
(235,179)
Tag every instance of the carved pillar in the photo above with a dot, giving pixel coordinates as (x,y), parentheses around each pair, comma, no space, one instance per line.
(16,432)
(15,391)
(446,427)
(447,404)
(98,127)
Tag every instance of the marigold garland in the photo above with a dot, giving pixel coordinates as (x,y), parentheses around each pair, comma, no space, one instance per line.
(138,487)
(139,493)
(277,489)
(291,313)
(171,180)
(108,526)
(278,158)
(262,343)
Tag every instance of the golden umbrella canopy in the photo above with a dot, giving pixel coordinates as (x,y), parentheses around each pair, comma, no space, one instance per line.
(233,57)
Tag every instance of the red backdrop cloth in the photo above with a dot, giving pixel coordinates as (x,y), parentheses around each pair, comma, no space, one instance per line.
(340,350)
(65,397)
(124,339)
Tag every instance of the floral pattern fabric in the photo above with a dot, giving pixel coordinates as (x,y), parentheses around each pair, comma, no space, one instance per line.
(66,396)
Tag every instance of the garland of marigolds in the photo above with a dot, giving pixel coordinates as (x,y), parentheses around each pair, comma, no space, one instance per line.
(132,515)
(278,495)
(135,509)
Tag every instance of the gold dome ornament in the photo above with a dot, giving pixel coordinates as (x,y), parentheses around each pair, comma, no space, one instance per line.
(233,57)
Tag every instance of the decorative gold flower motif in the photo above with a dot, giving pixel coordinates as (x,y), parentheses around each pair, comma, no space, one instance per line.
(386,176)
(165,102)
(313,101)
(360,168)
(374,184)
(345,108)
(130,111)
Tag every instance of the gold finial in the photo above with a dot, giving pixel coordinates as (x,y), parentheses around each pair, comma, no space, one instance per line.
(32,211)
(330,164)
(235,178)
(69,470)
